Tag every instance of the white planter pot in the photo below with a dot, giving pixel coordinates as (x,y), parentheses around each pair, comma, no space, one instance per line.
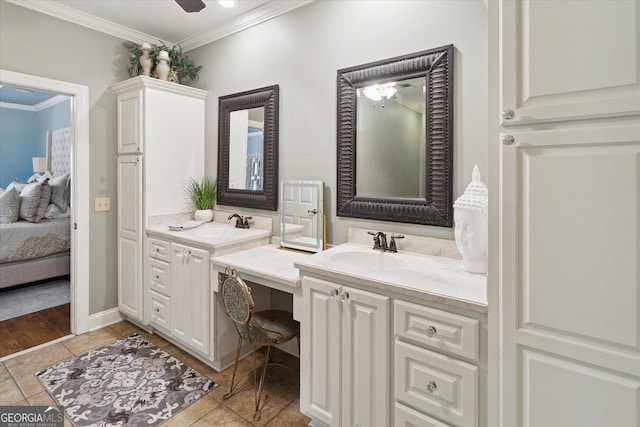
(205,215)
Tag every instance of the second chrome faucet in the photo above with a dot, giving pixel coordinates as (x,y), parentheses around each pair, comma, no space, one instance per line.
(380,241)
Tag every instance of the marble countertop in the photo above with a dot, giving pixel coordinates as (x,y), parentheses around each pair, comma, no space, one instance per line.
(212,235)
(267,264)
(412,275)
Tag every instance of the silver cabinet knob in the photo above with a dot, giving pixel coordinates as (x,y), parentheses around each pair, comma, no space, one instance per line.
(431,331)
(157,310)
(333,293)
(508,114)
(344,296)
(432,387)
(157,277)
(508,140)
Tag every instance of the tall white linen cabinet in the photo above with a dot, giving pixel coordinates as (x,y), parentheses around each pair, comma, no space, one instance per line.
(566,302)
(160,145)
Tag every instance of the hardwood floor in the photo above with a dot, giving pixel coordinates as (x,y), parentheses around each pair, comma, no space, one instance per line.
(30,330)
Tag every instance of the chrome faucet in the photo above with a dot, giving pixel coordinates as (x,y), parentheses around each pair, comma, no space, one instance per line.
(380,241)
(241,222)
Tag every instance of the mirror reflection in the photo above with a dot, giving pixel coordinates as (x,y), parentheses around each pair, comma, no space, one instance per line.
(390,149)
(246,150)
(303,220)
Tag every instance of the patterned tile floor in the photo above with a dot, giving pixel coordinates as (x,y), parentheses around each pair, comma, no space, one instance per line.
(19,386)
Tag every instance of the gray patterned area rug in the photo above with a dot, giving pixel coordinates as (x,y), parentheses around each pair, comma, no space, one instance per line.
(130,382)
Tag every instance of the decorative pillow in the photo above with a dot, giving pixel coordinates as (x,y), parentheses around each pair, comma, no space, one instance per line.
(37,177)
(61,190)
(34,200)
(17,184)
(54,212)
(9,206)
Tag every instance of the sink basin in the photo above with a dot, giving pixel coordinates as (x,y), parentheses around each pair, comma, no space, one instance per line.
(371,261)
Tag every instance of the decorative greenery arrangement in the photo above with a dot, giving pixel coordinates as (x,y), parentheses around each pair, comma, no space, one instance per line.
(181,67)
(201,194)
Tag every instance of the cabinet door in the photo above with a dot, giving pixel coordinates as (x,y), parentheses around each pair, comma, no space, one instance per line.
(365,358)
(130,285)
(190,301)
(130,124)
(570,297)
(320,352)
(569,59)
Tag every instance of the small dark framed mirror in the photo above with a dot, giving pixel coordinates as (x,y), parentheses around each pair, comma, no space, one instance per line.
(395,139)
(248,149)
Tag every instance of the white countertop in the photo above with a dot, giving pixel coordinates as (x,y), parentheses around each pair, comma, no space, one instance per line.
(268,264)
(412,275)
(212,235)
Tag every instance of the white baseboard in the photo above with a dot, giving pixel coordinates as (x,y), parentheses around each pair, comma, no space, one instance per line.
(104,318)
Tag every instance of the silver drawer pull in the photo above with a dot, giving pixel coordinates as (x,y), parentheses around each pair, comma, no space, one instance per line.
(157,249)
(431,331)
(432,387)
(157,277)
(333,293)
(157,310)
(344,296)
(508,114)
(508,140)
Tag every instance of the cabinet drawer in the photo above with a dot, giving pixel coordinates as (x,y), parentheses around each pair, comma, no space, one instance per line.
(160,310)
(159,249)
(407,417)
(437,329)
(160,277)
(443,387)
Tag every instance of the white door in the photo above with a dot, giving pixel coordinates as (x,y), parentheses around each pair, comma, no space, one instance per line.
(569,59)
(570,279)
(365,358)
(190,301)
(320,352)
(569,197)
(130,285)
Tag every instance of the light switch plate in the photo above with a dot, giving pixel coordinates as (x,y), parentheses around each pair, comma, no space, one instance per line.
(102,204)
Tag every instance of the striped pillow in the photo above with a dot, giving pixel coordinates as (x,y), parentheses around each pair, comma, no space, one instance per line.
(9,206)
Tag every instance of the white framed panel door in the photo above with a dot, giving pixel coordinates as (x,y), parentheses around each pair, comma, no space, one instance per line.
(570,250)
(566,60)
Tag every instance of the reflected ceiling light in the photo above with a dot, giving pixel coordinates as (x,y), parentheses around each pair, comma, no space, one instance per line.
(377,92)
(227,3)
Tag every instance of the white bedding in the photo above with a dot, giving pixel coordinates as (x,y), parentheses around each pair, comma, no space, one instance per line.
(24,240)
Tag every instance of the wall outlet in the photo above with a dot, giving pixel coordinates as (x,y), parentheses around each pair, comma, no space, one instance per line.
(103,204)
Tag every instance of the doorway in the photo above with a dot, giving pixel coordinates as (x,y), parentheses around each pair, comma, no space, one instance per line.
(80,200)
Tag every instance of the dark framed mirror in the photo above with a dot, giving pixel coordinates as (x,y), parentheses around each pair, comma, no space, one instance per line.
(248,149)
(395,139)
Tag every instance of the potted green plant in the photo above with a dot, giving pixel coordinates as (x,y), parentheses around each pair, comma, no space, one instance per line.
(201,195)
(181,67)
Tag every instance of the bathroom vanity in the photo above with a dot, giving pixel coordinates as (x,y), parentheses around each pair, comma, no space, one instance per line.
(181,289)
(391,339)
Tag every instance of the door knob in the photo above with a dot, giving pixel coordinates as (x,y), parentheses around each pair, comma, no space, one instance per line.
(431,331)
(344,296)
(432,387)
(333,293)
(508,140)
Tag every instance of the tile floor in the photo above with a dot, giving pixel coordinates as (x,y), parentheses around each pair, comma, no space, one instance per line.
(19,386)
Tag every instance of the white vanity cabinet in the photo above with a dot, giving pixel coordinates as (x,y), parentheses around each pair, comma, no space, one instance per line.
(344,372)
(566,279)
(429,373)
(190,300)
(160,145)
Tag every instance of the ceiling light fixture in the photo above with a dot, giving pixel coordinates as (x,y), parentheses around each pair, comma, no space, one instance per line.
(377,92)
(227,3)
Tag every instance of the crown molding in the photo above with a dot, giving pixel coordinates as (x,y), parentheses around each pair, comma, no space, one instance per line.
(75,16)
(38,107)
(253,17)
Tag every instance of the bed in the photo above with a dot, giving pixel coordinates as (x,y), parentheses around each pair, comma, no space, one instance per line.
(32,251)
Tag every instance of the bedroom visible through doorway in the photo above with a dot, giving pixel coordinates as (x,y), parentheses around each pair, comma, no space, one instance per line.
(77,135)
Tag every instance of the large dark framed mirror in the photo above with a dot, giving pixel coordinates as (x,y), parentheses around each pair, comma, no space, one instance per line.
(395,139)
(248,149)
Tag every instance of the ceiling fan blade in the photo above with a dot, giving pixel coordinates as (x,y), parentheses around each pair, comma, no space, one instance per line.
(191,5)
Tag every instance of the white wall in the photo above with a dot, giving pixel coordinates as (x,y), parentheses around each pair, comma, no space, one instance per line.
(302,51)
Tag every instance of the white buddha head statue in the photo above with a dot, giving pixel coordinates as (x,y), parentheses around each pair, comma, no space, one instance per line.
(471,225)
